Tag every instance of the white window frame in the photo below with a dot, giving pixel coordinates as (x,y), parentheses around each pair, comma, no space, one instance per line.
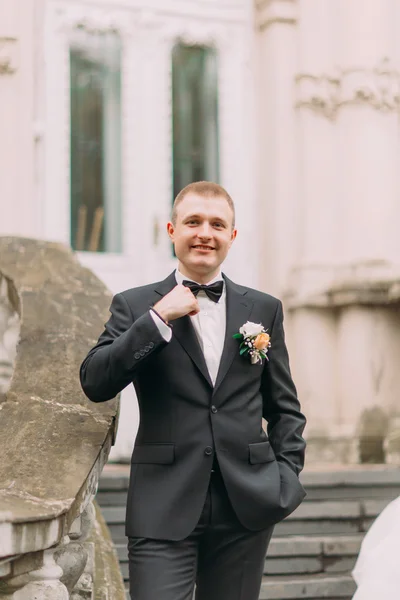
(147,40)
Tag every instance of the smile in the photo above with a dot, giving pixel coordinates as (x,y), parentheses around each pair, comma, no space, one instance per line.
(201,247)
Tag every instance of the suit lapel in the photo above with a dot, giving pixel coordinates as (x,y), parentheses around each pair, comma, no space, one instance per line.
(184,331)
(238,310)
(186,336)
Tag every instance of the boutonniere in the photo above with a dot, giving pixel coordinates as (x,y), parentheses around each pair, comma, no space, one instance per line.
(255,341)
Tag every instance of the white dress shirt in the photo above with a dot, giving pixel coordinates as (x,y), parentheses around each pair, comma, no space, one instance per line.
(209,325)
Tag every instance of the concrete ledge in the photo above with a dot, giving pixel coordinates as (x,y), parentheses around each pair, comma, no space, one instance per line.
(354,475)
(53,441)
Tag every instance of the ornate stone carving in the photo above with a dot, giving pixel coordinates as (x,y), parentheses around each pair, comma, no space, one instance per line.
(275,11)
(9,331)
(75,557)
(377,87)
(325,286)
(42,584)
(93,19)
(8,55)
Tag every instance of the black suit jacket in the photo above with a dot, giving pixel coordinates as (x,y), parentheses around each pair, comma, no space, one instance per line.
(185,420)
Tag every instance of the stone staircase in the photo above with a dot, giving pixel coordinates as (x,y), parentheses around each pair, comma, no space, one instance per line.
(313,551)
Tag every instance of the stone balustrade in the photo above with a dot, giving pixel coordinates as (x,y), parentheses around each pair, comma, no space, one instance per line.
(53,441)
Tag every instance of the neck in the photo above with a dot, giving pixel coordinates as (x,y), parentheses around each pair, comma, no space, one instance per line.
(202,278)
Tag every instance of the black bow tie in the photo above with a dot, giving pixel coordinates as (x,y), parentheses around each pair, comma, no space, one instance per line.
(213,291)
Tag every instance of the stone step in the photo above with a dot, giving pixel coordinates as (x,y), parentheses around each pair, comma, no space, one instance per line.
(114,492)
(286,528)
(112,498)
(315,546)
(307,587)
(117,533)
(323,527)
(303,588)
(351,493)
(128,597)
(299,546)
(308,565)
(342,511)
(311,518)
(313,551)
(359,478)
(351,476)
(287,567)
(297,555)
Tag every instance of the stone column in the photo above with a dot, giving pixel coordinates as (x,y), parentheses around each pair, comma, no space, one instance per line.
(312,328)
(368,126)
(277,166)
(348,102)
(367,119)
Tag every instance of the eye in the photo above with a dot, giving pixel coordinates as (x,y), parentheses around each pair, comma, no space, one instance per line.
(193,222)
(219,225)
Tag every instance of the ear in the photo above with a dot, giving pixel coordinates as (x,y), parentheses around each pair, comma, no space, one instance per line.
(233,236)
(170,230)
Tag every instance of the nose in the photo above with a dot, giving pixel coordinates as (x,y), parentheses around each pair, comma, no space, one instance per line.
(204,230)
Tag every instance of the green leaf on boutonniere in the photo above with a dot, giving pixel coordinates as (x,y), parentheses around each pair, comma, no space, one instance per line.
(243,350)
(237,336)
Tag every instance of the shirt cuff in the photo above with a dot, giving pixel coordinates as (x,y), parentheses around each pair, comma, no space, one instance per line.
(163,328)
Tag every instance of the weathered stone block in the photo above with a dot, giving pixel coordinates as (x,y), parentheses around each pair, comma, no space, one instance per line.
(307,587)
(292,565)
(295,546)
(316,527)
(327,510)
(337,564)
(372,508)
(343,546)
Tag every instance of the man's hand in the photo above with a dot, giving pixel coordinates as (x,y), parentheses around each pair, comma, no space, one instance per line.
(179,302)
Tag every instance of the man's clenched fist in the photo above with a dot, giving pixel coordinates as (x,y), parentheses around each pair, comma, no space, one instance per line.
(179,302)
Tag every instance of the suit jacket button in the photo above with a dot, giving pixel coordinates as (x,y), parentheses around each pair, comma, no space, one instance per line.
(137,355)
(146,349)
(142,352)
(208,451)
(214,409)
(151,345)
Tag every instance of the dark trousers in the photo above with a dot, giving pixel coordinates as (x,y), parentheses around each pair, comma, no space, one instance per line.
(220,556)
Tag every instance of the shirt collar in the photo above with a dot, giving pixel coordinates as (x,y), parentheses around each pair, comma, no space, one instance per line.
(180,278)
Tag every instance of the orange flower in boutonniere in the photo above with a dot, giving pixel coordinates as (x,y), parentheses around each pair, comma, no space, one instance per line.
(261,342)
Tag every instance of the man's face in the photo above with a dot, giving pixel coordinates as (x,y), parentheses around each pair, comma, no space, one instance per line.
(202,235)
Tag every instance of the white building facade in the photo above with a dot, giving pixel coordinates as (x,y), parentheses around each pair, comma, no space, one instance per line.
(292,105)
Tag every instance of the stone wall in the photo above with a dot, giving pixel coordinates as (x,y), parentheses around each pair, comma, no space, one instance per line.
(53,441)
(329,146)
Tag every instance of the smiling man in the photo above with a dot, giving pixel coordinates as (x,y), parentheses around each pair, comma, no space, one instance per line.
(207,483)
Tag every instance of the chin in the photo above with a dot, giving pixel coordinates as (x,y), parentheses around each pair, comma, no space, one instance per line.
(204,264)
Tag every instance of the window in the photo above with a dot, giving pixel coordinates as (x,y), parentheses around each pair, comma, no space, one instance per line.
(195,115)
(95,68)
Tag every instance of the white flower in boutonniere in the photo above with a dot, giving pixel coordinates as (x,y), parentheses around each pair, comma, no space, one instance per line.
(255,341)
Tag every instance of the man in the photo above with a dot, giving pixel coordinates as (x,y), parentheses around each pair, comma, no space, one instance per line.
(207,483)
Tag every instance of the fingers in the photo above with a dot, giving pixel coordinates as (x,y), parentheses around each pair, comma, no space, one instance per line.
(195,311)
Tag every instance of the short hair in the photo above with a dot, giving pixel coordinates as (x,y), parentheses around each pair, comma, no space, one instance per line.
(206,189)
